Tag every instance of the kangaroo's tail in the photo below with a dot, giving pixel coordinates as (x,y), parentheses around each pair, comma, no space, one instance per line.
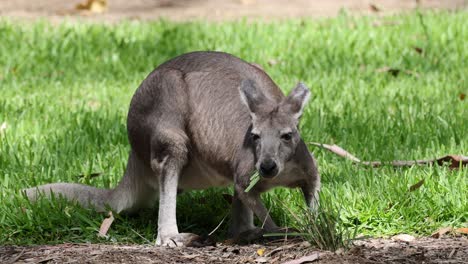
(134,190)
(86,196)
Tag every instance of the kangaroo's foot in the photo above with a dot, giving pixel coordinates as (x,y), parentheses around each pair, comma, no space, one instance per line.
(179,240)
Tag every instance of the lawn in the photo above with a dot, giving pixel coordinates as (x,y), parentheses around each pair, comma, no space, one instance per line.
(65,90)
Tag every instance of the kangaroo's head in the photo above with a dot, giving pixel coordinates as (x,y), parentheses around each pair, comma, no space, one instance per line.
(274,133)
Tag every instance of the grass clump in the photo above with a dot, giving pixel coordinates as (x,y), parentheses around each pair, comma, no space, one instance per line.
(324,228)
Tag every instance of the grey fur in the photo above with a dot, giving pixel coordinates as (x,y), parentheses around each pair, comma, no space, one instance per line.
(190,126)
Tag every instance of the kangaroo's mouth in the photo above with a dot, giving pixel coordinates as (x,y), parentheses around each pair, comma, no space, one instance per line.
(268,172)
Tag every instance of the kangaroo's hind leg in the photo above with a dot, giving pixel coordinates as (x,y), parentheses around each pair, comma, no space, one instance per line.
(168,157)
(157,124)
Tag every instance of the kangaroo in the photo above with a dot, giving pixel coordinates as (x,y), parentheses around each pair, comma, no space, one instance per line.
(200,120)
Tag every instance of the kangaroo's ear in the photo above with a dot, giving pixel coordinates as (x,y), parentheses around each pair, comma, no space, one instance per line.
(297,99)
(251,96)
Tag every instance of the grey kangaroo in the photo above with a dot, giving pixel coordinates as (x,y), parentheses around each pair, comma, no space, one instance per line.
(200,120)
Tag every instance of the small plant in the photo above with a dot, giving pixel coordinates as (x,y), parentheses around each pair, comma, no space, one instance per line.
(323,227)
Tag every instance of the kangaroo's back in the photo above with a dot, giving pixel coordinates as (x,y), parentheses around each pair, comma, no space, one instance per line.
(213,113)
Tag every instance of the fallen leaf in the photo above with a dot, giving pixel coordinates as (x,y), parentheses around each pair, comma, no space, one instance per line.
(92,175)
(306,259)
(272,62)
(393,71)
(262,260)
(93,6)
(454,160)
(3,126)
(191,256)
(462,96)
(166,3)
(247,2)
(439,233)
(403,238)
(106,223)
(94,105)
(374,8)
(463,230)
(261,251)
(416,186)
(278,249)
(418,50)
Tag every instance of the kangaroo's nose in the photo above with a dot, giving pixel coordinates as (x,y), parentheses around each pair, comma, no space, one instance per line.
(268,168)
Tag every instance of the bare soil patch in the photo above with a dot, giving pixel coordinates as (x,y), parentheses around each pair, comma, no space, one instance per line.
(423,250)
(213,10)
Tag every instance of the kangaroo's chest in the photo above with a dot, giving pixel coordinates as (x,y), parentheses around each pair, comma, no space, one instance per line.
(198,174)
(292,176)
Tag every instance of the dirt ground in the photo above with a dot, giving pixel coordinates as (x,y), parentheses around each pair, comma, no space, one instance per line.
(214,10)
(424,250)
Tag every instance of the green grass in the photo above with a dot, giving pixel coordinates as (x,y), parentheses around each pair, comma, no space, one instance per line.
(65,90)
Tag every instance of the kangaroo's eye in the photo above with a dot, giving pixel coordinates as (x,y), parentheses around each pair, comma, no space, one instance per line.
(255,137)
(286,136)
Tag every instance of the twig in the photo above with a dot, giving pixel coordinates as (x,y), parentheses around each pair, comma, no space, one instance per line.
(15,259)
(454,160)
(216,228)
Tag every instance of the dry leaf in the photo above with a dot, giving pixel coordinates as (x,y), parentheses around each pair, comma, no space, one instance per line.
(166,3)
(272,62)
(247,2)
(306,259)
(374,8)
(441,232)
(94,105)
(92,175)
(3,126)
(261,251)
(262,260)
(395,72)
(416,186)
(418,50)
(93,6)
(454,160)
(191,256)
(106,223)
(403,238)
(392,71)
(463,230)
(462,96)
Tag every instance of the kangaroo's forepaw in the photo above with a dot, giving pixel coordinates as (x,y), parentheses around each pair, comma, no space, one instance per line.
(248,236)
(178,240)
